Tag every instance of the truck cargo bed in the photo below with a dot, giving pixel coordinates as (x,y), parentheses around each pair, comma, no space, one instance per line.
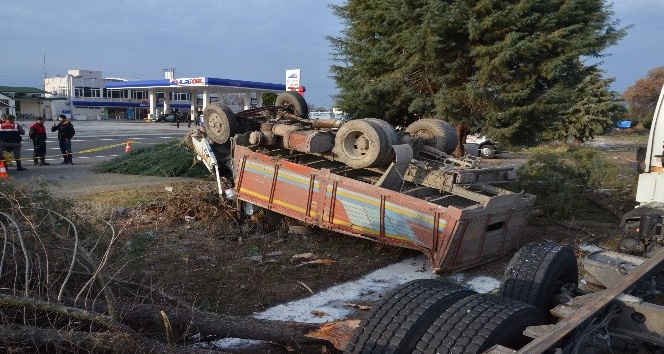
(468,226)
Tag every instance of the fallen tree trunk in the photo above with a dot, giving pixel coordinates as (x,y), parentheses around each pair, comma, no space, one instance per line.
(187,322)
(140,322)
(36,339)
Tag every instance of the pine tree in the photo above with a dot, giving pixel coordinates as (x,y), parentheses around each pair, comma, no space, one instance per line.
(507,68)
(597,109)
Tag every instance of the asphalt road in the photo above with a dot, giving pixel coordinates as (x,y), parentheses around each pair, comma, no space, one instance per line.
(94,141)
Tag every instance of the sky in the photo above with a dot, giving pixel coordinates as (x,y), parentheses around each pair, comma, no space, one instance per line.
(253,40)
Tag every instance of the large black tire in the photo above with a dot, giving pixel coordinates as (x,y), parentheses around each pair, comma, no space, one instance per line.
(298,106)
(436,133)
(360,143)
(220,122)
(487,151)
(392,138)
(395,323)
(478,322)
(537,273)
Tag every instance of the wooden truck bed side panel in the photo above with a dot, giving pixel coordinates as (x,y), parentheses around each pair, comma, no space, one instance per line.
(374,212)
(486,234)
(451,238)
(337,203)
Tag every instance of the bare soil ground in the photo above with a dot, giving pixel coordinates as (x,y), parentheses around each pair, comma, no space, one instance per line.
(178,238)
(184,242)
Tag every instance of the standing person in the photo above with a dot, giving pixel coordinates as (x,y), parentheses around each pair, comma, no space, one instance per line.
(177,118)
(37,133)
(10,136)
(65,132)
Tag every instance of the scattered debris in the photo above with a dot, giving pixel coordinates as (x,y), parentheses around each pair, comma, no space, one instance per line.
(298,229)
(257,258)
(338,333)
(318,313)
(302,257)
(306,287)
(358,306)
(326,262)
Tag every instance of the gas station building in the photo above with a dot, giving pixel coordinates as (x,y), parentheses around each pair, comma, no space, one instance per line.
(88,96)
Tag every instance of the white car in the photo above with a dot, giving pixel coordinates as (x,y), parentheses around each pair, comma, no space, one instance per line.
(486,147)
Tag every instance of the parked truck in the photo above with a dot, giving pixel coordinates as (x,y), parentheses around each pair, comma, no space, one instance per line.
(362,178)
(541,305)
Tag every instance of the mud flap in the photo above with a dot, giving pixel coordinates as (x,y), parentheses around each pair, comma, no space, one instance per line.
(206,156)
(392,179)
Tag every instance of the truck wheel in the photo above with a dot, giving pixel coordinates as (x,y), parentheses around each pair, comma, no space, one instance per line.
(220,122)
(360,144)
(478,322)
(436,133)
(487,151)
(537,273)
(298,106)
(395,324)
(392,139)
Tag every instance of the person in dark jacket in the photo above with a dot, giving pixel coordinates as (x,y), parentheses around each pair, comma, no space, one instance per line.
(37,133)
(65,133)
(10,137)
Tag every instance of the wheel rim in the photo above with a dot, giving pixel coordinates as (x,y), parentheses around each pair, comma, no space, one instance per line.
(486,151)
(214,124)
(426,136)
(356,144)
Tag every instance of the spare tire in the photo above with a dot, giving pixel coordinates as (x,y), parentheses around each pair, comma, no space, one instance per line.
(360,143)
(295,101)
(220,122)
(436,133)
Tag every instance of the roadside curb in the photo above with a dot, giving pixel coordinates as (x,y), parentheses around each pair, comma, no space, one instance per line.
(133,136)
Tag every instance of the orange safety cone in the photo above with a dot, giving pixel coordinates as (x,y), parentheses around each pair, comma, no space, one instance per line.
(3,170)
(127,148)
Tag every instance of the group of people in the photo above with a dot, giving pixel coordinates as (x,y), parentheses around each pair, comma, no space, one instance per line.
(179,117)
(11,137)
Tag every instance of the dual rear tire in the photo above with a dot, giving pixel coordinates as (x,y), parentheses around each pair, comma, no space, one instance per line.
(365,143)
(368,142)
(395,323)
(428,316)
(466,322)
(435,133)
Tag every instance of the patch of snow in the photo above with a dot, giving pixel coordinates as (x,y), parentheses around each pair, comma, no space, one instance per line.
(235,343)
(590,248)
(329,305)
(482,284)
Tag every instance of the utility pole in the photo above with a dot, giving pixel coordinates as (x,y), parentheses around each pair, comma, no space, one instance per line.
(44,82)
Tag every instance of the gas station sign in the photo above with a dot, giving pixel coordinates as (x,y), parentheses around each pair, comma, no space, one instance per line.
(193,81)
(292,79)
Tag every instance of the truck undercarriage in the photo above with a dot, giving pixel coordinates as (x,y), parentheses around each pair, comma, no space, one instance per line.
(363,178)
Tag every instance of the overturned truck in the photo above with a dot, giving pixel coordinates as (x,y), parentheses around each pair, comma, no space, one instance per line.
(363,178)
